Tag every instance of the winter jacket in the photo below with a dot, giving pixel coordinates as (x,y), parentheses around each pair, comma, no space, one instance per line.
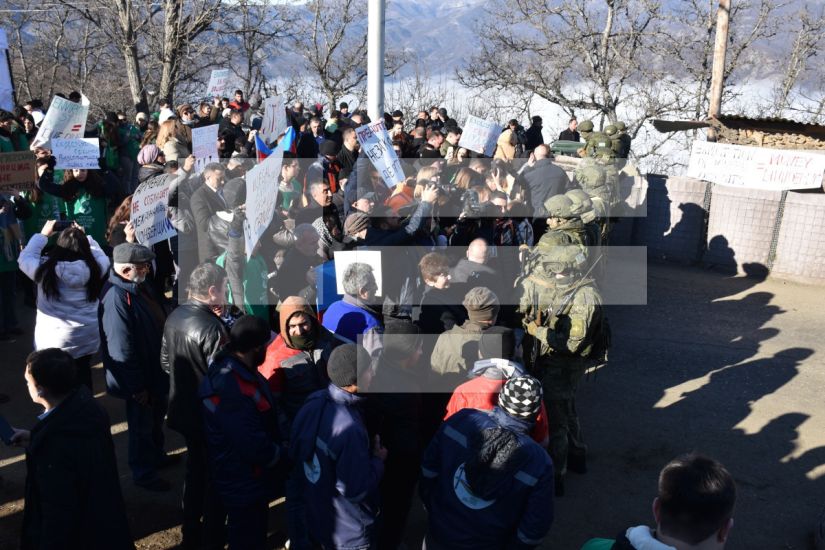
(440,310)
(293,374)
(635,538)
(131,322)
(69,322)
(204,204)
(456,350)
(510,506)
(242,434)
(73,497)
(191,337)
(544,180)
(534,138)
(481,392)
(506,145)
(349,317)
(341,477)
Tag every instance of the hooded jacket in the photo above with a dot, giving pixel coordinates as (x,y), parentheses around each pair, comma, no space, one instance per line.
(73,497)
(508,505)
(635,538)
(69,322)
(294,373)
(340,476)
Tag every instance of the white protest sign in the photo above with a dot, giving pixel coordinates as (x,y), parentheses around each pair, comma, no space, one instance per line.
(345,258)
(274,121)
(377,146)
(218,83)
(480,135)
(149,212)
(261,198)
(79,154)
(64,119)
(756,167)
(205,146)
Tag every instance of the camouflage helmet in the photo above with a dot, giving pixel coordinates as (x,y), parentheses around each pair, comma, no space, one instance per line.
(564,258)
(586,126)
(621,126)
(611,130)
(581,200)
(560,206)
(591,176)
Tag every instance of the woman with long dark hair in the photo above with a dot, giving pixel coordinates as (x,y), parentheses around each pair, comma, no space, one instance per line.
(69,278)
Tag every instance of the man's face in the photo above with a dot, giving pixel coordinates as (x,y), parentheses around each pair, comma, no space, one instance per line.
(217,295)
(453,138)
(422,115)
(368,292)
(236,119)
(351,141)
(224,103)
(299,325)
(289,170)
(187,114)
(442,281)
(239,98)
(501,204)
(135,275)
(5,124)
(573,125)
(434,114)
(436,141)
(314,125)
(322,194)
(216,179)
(31,385)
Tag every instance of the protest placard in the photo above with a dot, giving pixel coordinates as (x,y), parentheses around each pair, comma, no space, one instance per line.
(345,258)
(17,171)
(205,146)
(149,212)
(480,135)
(218,83)
(64,119)
(274,121)
(79,154)
(756,167)
(377,146)
(261,198)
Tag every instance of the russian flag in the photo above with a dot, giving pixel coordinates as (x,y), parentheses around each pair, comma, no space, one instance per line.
(263,150)
(290,141)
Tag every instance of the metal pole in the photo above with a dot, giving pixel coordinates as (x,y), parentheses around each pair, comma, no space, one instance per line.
(375,60)
(720,49)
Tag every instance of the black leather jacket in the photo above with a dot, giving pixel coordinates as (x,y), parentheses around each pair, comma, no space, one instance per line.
(191,337)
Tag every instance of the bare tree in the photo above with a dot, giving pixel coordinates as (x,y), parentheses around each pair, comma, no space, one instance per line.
(806,45)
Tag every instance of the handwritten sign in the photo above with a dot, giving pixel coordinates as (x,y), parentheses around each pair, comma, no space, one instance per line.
(261,198)
(149,212)
(79,154)
(274,121)
(205,146)
(218,83)
(345,258)
(377,146)
(756,167)
(480,135)
(64,119)
(17,171)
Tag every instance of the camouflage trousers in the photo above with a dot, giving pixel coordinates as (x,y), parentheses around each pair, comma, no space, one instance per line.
(566,439)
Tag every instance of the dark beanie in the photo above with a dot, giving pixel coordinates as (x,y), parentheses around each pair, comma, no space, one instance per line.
(482,304)
(346,363)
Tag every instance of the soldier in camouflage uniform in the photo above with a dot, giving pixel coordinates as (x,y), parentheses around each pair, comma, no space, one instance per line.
(563,319)
(625,140)
(564,224)
(585,130)
(584,204)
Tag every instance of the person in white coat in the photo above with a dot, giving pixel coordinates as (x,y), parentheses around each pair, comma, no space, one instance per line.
(69,278)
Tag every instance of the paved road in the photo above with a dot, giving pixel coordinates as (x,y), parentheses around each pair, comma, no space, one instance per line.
(731,367)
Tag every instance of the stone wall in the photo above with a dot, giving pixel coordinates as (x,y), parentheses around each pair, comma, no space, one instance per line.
(759,138)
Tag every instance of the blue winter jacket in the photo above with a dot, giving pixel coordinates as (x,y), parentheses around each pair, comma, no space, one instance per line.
(348,320)
(130,339)
(340,475)
(240,419)
(514,511)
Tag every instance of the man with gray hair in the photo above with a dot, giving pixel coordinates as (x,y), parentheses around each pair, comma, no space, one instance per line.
(356,313)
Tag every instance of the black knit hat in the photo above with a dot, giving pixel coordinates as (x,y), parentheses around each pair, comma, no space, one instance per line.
(521,397)
(346,364)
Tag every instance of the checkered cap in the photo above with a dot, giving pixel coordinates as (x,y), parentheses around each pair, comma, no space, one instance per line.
(521,397)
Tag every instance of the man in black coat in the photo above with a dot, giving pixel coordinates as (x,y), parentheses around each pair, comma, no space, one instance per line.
(534,135)
(73,497)
(543,180)
(194,333)
(205,202)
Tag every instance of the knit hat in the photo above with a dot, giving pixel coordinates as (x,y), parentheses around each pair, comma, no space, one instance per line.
(482,304)
(521,397)
(346,364)
(249,332)
(329,148)
(355,223)
(148,154)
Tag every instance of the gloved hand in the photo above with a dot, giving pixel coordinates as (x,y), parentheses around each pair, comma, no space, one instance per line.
(532,328)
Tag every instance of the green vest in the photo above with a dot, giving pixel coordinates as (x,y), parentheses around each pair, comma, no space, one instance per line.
(90,213)
(49,208)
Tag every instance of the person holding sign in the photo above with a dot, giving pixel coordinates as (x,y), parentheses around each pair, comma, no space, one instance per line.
(84,197)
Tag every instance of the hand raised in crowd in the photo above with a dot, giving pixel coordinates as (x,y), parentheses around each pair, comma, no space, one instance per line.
(429,194)
(48,228)
(129,230)
(189,163)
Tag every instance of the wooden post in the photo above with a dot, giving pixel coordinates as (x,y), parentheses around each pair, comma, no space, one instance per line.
(720,49)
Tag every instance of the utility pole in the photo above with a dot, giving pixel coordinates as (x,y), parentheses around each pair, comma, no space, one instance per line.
(375,59)
(720,50)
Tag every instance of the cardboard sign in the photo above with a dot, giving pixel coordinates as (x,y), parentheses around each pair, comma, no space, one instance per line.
(218,83)
(205,146)
(149,212)
(377,146)
(64,119)
(480,135)
(345,258)
(261,198)
(17,171)
(756,167)
(78,154)
(274,121)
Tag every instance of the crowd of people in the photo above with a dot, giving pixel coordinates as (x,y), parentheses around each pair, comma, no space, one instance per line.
(448,363)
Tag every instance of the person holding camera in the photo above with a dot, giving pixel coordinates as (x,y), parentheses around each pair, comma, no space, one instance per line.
(69,279)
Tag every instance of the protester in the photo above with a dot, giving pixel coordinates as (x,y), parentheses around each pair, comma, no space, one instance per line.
(356,314)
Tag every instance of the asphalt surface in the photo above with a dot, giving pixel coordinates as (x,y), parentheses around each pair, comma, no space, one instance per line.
(727,366)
